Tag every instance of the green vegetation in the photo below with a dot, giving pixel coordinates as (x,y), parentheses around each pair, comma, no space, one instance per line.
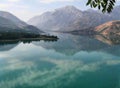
(20,34)
(15,34)
(103,5)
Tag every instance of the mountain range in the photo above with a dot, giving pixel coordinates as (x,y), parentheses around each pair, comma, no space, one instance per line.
(12,27)
(65,19)
(69,18)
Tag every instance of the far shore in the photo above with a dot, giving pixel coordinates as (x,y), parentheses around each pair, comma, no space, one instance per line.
(29,39)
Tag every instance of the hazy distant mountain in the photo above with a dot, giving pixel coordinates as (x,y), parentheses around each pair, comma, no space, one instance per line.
(115,15)
(70,18)
(10,23)
(7,23)
(32,29)
(13,18)
(7,26)
(60,19)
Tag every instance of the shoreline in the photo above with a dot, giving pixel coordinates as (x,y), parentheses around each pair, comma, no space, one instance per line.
(28,39)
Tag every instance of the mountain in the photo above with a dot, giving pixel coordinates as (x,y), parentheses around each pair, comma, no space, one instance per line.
(109,28)
(70,18)
(12,27)
(115,15)
(19,23)
(7,23)
(60,19)
(32,29)
(110,32)
(12,18)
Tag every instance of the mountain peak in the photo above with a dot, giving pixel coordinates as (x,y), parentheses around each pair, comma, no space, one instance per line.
(68,8)
(7,15)
(10,16)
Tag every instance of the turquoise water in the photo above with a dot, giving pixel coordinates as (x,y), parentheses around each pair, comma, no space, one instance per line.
(71,62)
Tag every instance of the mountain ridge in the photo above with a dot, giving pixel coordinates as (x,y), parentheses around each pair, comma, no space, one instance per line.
(18,24)
(70,18)
(13,18)
(12,27)
(109,28)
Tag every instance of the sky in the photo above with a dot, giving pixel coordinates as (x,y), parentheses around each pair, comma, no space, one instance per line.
(26,9)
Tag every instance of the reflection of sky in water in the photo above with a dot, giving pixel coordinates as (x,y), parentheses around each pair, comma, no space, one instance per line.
(30,66)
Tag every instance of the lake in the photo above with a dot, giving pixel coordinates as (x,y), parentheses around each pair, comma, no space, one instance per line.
(73,61)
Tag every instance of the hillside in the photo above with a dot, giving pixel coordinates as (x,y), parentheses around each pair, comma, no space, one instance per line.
(110,32)
(109,28)
(69,18)
(13,18)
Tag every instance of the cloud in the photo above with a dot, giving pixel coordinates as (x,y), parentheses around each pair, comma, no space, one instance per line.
(13,0)
(51,1)
(26,10)
(11,5)
(17,9)
(3,5)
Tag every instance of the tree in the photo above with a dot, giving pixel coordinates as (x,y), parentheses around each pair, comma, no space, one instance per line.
(103,5)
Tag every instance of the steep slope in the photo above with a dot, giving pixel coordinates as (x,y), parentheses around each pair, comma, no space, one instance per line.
(70,18)
(110,31)
(13,18)
(60,19)
(11,28)
(7,26)
(109,28)
(32,29)
(10,21)
(7,23)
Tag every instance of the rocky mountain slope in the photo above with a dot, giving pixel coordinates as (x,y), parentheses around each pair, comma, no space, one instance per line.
(7,23)
(109,28)
(60,19)
(13,18)
(110,32)
(10,21)
(12,27)
(70,18)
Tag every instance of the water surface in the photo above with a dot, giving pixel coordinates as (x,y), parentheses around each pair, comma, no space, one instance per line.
(71,62)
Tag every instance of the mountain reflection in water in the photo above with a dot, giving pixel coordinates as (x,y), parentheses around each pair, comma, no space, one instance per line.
(73,61)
